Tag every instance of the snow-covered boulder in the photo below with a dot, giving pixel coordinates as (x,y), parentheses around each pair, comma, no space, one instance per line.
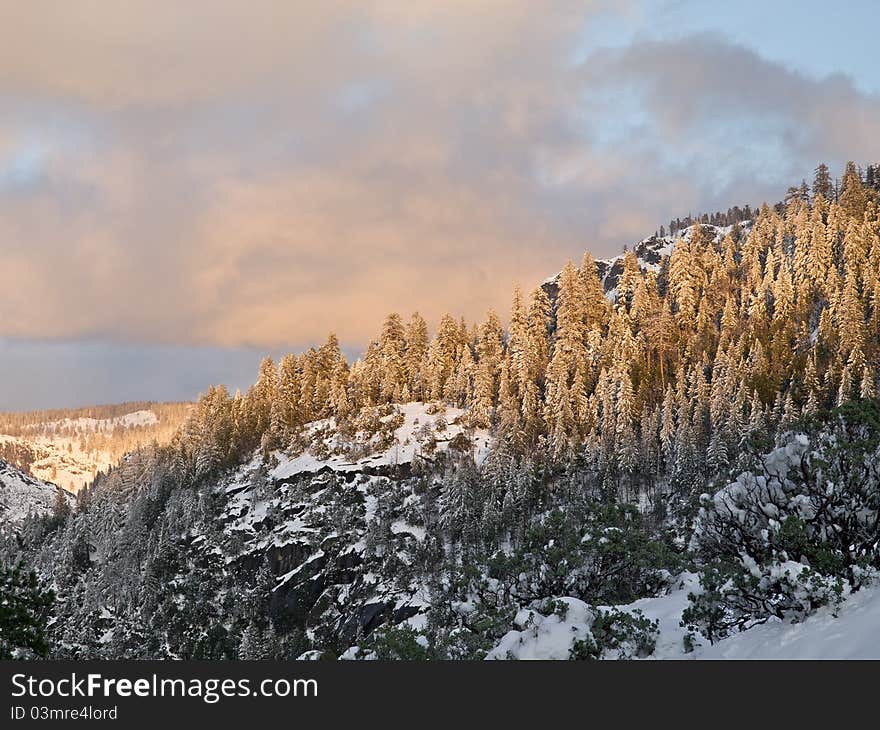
(547,637)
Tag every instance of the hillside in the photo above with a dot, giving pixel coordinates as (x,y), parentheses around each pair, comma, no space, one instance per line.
(69,447)
(22,496)
(314,553)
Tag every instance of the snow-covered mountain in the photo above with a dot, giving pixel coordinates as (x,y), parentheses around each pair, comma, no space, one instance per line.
(100,425)
(684,490)
(22,495)
(57,458)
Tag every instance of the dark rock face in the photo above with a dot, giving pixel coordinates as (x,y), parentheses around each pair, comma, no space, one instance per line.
(551,288)
(648,251)
(612,277)
(328,553)
(291,605)
(372,615)
(391,471)
(345,568)
(281,559)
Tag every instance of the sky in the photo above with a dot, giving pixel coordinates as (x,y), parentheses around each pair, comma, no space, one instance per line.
(185,187)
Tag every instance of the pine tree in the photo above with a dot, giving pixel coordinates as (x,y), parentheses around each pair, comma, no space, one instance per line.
(330,365)
(459,505)
(844,391)
(822,182)
(819,259)
(416,352)
(757,423)
(250,646)
(683,282)
(716,456)
(538,328)
(568,359)
(594,304)
(392,349)
(459,387)
(511,430)
(490,350)
(24,614)
(867,387)
(444,355)
(518,346)
(626,446)
(60,506)
(287,398)
(852,195)
(667,427)
(263,394)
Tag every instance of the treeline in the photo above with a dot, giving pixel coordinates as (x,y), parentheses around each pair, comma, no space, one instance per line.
(823,185)
(719,219)
(18,423)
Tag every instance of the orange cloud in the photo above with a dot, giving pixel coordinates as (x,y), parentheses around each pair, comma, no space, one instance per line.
(263,173)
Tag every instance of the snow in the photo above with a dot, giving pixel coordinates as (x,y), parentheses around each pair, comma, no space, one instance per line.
(58,447)
(412,439)
(666,610)
(351,653)
(280,501)
(546,637)
(22,495)
(61,459)
(83,425)
(401,527)
(854,633)
(654,248)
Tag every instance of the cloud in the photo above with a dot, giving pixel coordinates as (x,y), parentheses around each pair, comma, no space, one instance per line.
(259,174)
(703,95)
(68,374)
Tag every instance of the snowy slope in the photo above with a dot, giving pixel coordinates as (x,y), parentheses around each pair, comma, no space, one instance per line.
(81,425)
(22,495)
(60,454)
(310,515)
(854,633)
(61,459)
(423,432)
